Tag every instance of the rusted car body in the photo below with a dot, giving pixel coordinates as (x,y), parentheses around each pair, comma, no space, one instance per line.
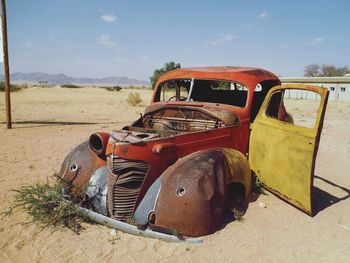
(172,169)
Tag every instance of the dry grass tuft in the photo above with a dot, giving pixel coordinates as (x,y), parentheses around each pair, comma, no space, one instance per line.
(49,206)
(134,98)
(114,88)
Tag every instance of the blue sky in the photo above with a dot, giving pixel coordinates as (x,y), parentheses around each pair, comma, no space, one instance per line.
(85,38)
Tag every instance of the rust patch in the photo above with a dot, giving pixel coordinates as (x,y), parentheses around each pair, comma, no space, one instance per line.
(193,194)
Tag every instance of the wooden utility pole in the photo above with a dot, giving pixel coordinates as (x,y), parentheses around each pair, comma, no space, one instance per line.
(6,65)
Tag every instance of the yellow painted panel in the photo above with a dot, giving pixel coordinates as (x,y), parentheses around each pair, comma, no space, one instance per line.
(283,161)
(283,155)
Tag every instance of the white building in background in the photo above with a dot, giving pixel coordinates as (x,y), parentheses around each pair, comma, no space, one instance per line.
(339,87)
(339,92)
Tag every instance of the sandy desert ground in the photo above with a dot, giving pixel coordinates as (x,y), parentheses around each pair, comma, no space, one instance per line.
(50,122)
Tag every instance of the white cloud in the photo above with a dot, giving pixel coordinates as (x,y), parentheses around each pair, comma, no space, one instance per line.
(106,40)
(316,40)
(262,15)
(304,44)
(27,44)
(220,40)
(67,46)
(109,18)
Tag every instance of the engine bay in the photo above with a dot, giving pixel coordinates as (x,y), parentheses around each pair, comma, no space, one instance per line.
(171,121)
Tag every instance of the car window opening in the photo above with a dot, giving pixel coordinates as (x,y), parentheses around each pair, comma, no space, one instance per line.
(199,90)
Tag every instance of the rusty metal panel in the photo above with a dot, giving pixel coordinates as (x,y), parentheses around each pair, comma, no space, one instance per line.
(239,169)
(78,167)
(193,194)
(248,76)
(124,184)
(283,154)
(162,153)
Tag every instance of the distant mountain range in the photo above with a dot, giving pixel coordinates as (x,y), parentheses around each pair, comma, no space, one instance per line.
(60,79)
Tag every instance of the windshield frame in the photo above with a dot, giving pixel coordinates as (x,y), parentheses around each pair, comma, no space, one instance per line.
(157,97)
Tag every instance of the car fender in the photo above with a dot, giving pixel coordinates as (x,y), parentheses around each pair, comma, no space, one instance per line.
(78,167)
(194,192)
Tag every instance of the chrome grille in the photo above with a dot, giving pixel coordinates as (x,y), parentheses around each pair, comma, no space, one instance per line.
(124,184)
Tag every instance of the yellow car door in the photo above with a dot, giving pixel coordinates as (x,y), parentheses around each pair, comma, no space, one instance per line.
(282,149)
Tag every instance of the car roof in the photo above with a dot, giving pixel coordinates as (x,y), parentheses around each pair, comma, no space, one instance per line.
(249,76)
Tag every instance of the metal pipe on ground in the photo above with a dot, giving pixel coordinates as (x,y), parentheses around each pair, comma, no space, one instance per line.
(133,230)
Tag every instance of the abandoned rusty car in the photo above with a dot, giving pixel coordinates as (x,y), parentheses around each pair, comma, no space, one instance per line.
(205,131)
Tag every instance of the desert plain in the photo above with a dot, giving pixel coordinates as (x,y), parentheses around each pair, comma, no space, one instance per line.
(49,122)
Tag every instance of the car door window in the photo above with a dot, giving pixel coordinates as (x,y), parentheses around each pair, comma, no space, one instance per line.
(298,107)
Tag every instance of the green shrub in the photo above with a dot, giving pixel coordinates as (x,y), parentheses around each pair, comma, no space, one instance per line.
(45,86)
(134,98)
(13,87)
(48,206)
(71,86)
(25,86)
(114,88)
(257,185)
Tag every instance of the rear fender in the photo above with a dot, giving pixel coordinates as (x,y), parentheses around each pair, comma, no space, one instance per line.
(239,169)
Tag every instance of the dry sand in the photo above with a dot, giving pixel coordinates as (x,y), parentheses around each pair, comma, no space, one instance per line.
(50,122)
